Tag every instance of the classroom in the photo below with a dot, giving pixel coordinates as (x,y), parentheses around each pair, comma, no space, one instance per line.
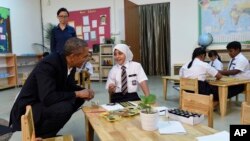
(106,25)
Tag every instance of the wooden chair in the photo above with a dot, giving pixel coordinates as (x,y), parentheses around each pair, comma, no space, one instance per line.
(245,113)
(188,84)
(86,79)
(28,129)
(77,78)
(198,103)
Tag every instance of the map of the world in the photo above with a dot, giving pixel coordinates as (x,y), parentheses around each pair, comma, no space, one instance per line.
(226,20)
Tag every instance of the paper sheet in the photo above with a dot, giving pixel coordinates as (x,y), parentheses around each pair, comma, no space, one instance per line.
(171,127)
(222,136)
(112,107)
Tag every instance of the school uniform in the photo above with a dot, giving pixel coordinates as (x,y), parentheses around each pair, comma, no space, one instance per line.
(239,62)
(200,70)
(216,64)
(135,75)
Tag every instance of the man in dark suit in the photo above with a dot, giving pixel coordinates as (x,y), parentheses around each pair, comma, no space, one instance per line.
(51,90)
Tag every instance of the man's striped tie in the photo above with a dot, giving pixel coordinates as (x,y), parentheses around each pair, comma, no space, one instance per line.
(124,80)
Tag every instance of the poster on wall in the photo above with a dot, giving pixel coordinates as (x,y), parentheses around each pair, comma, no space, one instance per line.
(92,25)
(226,20)
(5,36)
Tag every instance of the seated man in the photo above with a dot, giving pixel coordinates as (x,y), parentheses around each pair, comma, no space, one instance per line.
(238,67)
(51,90)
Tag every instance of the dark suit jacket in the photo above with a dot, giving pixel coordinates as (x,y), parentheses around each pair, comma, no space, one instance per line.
(47,84)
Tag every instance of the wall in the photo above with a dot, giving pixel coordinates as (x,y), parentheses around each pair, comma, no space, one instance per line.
(25,25)
(50,8)
(183,18)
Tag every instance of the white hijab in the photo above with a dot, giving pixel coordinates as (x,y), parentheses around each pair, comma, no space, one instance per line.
(124,49)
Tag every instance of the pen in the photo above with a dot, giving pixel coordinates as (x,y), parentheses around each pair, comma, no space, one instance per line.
(111,104)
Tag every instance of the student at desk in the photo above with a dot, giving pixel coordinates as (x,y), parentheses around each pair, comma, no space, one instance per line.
(197,68)
(238,67)
(215,60)
(125,76)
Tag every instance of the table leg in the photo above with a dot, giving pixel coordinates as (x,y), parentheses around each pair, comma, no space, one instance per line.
(164,88)
(247,94)
(223,92)
(89,130)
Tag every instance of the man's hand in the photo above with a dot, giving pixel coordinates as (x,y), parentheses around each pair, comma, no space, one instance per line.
(87,94)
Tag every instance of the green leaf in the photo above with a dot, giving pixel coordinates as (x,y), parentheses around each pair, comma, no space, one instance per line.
(146,102)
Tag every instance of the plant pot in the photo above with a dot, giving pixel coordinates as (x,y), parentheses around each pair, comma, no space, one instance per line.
(149,121)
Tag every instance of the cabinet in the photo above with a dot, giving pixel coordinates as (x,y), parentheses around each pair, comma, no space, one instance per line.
(177,68)
(95,61)
(8,71)
(106,60)
(25,64)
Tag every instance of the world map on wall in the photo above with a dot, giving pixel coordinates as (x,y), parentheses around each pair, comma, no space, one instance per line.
(226,20)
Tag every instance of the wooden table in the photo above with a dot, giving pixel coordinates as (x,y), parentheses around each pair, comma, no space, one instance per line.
(165,83)
(129,129)
(222,84)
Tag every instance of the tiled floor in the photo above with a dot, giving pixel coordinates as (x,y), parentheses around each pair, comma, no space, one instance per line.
(76,124)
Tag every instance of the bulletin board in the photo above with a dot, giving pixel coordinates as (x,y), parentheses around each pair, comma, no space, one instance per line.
(92,25)
(5,36)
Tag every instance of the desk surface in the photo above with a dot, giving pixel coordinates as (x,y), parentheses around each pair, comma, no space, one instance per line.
(129,129)
(222,84)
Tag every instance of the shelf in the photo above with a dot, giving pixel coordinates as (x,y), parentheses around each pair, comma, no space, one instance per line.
(107,55)
(106,60)
(7,86)
(8,74)
(104,66)
(25,64)
(6,66)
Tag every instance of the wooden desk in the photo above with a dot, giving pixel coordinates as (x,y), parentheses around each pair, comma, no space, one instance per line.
(165,83)
(129,129)
(222,84)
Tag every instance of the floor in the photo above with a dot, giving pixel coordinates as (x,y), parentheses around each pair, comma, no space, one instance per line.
(76,124)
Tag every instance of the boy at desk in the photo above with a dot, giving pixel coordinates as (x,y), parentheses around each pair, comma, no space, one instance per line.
(125,76)
(238,67)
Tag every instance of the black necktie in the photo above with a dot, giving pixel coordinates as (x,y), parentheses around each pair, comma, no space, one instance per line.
(212,64)
(231,63)
(124,80)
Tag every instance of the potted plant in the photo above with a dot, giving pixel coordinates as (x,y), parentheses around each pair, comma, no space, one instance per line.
(149,116)
(47,37)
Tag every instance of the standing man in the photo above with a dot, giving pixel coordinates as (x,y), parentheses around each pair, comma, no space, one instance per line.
(51,90)
(61,32)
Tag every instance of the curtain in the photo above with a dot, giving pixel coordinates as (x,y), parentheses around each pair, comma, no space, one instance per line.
(155,38)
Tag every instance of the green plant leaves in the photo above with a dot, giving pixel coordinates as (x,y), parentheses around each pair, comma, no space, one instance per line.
(148,99)
(146,102)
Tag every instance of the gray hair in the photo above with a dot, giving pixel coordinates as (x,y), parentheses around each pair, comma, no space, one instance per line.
(73,45)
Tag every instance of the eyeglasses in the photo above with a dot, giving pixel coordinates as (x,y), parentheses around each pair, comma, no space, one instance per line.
(63,16)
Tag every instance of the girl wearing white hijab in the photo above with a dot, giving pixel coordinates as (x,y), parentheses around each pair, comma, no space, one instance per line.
(135,76)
